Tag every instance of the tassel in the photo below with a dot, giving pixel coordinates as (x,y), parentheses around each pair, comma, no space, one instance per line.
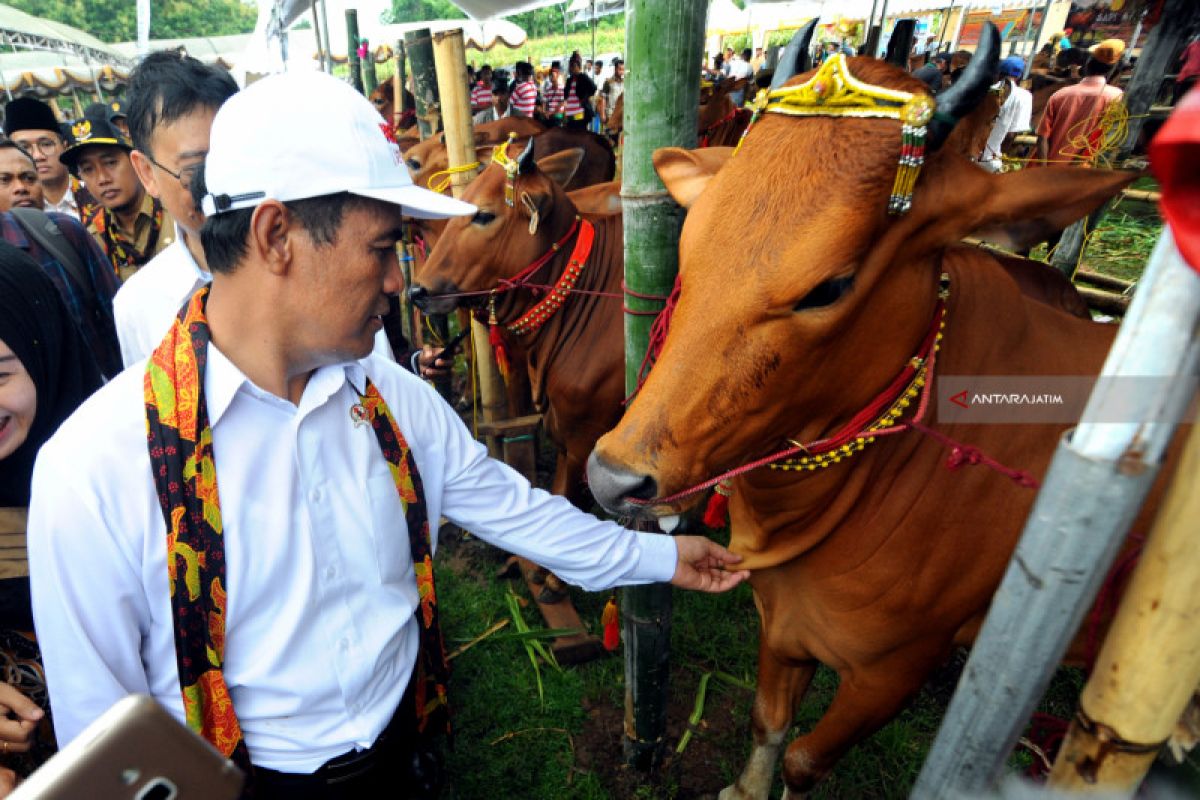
(496,338)
(610,619)
(716,513)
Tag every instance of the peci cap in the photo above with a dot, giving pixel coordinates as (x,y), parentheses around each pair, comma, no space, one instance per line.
(298,135)
(91,132)
(28,114)
(1108,52)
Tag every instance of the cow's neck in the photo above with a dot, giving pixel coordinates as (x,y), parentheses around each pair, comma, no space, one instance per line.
(562,337)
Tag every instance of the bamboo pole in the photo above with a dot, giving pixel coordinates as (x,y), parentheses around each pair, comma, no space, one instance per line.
(419,45)
(398,82)
(370,79)
(449,54)
(665,40)
(352,49)
(1149,666)
(1096,483)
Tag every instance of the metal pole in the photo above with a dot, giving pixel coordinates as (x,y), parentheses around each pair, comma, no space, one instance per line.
(882,24)
(665,40)
(1038,38)
(328,43)
(1096,484)
(352,49)
(322,54)
(143,27)
(1025,37)
(870,24)
(945,25)
(593,31)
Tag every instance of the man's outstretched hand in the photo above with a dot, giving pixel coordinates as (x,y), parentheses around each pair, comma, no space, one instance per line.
(703,566)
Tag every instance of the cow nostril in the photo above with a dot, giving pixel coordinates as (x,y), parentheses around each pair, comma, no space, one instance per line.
(418,294)
(614,487)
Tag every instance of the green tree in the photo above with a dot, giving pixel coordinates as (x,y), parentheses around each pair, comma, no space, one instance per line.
(116,20)
(422,11)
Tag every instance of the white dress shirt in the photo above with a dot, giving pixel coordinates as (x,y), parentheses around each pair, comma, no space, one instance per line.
(65,205)
(152,297)
(1016,115)
(321,639)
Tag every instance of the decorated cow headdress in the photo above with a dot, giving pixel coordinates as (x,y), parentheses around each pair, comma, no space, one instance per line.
(834,92)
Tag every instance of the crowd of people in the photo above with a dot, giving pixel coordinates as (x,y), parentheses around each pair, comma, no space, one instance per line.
(580,99)
(192,286)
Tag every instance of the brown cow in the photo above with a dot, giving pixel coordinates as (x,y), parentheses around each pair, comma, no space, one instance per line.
(599,164)
(575,359)
(880,563)
(720,122)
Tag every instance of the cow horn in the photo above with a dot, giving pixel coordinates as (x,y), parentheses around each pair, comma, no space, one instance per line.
(795,58)
(525,161)
(972,86)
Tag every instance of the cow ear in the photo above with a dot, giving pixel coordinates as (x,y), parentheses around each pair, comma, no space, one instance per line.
(561,167)
(1030,205)
(685,173)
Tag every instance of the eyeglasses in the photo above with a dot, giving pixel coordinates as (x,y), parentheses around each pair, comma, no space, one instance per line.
(45,145)
(185,176)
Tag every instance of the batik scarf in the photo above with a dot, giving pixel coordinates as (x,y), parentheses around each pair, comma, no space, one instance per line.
(181,456)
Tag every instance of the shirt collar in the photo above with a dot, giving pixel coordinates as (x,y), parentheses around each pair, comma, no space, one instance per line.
(223,381)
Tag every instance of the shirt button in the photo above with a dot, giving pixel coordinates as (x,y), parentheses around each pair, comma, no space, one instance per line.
(330,573)
(316,495)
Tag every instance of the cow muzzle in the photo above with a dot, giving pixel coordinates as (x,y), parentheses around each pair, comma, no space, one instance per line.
(429,302)
(616,488)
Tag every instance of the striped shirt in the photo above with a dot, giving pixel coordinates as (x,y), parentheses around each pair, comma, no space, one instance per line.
(524,98)
(481,96)
(552,92)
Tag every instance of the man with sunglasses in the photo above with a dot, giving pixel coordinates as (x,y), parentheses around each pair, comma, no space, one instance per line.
(31,124)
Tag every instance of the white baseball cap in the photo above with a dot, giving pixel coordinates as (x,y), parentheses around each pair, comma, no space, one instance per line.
(306,134)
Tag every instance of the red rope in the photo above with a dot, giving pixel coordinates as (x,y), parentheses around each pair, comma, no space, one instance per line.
(960,455)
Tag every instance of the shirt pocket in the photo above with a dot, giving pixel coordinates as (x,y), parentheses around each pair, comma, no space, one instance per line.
(389,531)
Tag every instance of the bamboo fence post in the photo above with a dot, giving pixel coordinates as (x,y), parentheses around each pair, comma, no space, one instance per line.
(352,49)
(1096,483)
(370,79)
(419,45)
(664,43)
(399,79)
(449,53)
(1149,666)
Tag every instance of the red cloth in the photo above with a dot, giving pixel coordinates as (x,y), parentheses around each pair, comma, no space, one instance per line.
(1191,62)
(1175,161)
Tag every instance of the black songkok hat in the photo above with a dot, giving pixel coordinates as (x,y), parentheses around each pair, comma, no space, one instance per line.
(28,114)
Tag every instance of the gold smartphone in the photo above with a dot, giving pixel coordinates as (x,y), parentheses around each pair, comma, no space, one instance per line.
(135,751)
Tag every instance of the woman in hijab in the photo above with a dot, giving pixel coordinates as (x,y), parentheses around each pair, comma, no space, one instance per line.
(46,371)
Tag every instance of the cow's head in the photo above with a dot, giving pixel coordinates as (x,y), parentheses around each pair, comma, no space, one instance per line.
(475,253)
(801,297)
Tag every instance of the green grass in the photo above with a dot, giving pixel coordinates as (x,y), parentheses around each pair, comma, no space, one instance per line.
(508,744)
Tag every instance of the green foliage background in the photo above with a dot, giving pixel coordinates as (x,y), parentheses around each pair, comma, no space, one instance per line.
(116,20)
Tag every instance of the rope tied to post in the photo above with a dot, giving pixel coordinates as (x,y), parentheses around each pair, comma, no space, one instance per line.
(447,175)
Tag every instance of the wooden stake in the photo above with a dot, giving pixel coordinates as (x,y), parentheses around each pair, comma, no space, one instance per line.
(449,55)
(1149,665)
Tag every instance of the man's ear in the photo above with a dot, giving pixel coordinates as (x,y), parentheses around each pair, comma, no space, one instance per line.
(270,240)
(561,166)
(145,173)
(686,173)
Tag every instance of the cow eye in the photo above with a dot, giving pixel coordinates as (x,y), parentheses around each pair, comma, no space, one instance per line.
(413,164)
(482,217)
(826,293)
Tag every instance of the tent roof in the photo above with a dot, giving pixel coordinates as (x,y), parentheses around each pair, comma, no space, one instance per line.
(494,9)
(27,32)
(44,73)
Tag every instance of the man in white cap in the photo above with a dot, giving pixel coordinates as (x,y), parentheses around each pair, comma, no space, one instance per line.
(290,617)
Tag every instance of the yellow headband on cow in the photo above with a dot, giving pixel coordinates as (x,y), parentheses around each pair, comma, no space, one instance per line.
(834,92)
(511,168)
